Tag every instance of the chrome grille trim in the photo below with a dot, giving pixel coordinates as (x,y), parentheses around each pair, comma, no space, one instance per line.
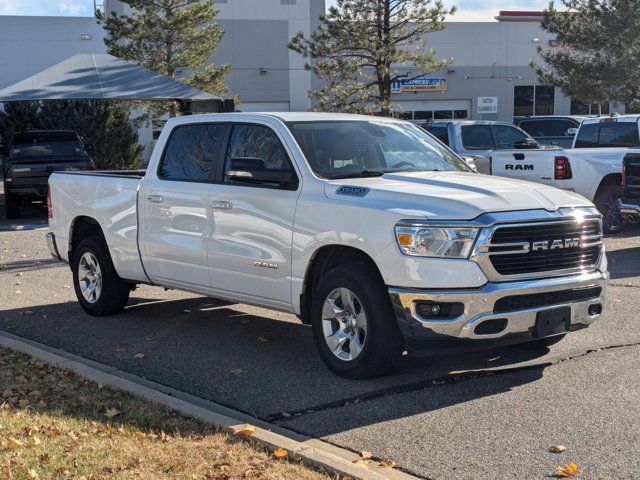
(485,249)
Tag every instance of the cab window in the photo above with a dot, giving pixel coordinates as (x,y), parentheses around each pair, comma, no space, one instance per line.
(509,137)
(477,137)
(192,153)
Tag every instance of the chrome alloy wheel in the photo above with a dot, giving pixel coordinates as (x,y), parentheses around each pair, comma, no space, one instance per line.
(90,277)
(344,324)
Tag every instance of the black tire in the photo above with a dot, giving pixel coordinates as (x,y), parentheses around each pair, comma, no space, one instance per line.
(606,201)
(12,205)
(114,292)
(545,342)
(382,345)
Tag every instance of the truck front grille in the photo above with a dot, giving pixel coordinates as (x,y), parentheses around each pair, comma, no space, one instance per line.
(554,246)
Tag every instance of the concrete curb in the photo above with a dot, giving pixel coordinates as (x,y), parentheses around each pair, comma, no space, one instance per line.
(311,452)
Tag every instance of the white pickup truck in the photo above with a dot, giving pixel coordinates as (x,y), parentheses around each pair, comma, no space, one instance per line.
(369,229)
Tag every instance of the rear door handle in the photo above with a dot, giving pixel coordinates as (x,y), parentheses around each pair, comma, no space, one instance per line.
(155,198)
(220,205)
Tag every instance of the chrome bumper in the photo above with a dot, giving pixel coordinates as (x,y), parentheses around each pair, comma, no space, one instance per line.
(53,247)
(629,208)
(479,307)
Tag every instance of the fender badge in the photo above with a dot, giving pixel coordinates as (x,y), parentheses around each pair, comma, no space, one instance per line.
(352,191)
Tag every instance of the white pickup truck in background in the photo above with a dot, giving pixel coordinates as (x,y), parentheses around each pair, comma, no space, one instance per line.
(593,168)
(370,230)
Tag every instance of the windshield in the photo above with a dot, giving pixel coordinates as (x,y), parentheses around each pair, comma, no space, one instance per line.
(40,144)
(347,148)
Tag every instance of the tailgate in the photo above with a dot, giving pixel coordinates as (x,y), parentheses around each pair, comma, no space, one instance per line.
(36,171)
(532,165)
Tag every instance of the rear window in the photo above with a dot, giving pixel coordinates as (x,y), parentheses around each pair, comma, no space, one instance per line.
(547,128)
(441,133)
(40,144)
(611,134)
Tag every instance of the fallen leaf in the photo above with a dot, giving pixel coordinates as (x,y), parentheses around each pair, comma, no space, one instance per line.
(149,339)
(44,458)
(280,453)
(245,429)
(237,371)
(119,349)
(387,463)
(111,412)
(263,340)
(19,274)
(366,455)
(25,312)
(66,286)
(33,474)
(18,292)
(14,444)
(557,448)
(36,441)
(569,470)
(139,355)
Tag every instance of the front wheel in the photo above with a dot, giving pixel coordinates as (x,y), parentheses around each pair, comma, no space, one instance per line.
(606,201)
(98,287)
(353,322)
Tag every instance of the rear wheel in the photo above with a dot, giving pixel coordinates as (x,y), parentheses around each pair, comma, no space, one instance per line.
(98,287)
(606,201)
(354,326)
(12,204)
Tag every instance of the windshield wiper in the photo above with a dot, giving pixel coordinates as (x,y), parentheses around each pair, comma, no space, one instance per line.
(362,173)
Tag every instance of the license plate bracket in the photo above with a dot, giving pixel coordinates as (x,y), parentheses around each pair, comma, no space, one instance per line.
(552,322)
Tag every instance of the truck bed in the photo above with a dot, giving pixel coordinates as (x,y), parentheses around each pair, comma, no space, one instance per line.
(111,197)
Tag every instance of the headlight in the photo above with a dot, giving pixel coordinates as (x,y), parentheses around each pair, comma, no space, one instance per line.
(425,241)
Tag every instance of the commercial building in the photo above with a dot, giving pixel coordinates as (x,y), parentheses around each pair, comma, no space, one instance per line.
(489,78)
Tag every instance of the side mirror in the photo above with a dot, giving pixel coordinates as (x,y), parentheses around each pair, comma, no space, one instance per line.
(471,161)
(572,132)
(251,170)
(527,143)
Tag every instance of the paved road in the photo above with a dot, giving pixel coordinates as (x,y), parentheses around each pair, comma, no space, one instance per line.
(487,415)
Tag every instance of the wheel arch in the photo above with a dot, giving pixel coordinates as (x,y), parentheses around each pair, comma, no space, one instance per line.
(324,259)
(607,180)
(83,227)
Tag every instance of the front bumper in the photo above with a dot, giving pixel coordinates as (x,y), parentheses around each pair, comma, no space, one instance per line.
(53,246)
(582,293)
(627,208)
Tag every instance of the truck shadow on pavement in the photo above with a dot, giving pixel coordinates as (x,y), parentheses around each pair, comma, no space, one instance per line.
(261,365)
(624,263)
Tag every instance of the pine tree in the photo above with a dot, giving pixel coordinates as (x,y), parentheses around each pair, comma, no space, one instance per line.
(599,53)
(168,37)
(360,43)
(16,117)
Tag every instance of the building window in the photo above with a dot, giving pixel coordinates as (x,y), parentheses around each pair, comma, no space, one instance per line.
(533,100)
(424,115)
(582,108)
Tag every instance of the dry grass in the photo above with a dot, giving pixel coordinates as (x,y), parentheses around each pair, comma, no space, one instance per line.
(54,424)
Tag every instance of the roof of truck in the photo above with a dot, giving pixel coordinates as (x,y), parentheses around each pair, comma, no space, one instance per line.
(613,118)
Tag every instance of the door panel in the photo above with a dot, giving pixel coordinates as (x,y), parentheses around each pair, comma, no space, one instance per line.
(175,217)
(250,248)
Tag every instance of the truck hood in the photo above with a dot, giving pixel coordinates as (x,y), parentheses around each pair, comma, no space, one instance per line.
(450,195)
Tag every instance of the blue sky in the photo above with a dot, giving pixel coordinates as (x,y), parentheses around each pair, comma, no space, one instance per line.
(467,9)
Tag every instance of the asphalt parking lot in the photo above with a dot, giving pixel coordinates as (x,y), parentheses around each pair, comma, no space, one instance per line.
(486,415)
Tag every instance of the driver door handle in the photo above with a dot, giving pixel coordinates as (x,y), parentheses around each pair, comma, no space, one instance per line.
(155,198)
(221,205)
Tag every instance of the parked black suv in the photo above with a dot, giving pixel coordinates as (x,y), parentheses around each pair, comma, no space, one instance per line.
(33,157)
(551,130)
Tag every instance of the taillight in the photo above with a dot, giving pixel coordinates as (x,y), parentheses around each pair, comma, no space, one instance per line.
(623,183)
(562,168)
(49,204)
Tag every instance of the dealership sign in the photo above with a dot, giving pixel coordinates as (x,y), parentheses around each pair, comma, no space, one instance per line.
(487,105)
(419,85)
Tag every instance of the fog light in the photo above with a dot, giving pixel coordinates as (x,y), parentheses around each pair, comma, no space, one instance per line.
(440,311)
(595,309)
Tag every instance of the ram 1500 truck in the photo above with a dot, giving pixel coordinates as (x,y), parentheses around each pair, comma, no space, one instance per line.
(370,230)
(630,201)
(33,156)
